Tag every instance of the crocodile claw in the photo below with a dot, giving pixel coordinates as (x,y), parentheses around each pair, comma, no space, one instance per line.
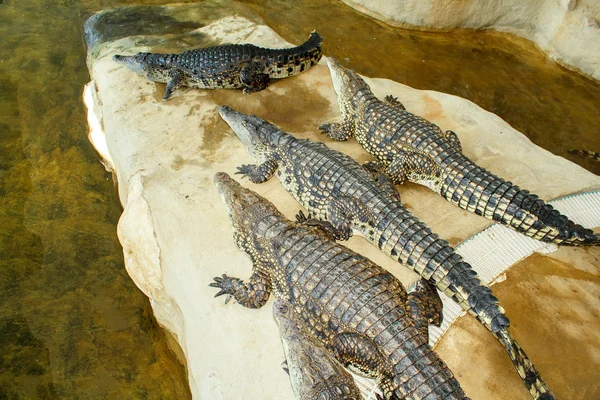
(325,128)
(223,283)
(301,218)
(245,170)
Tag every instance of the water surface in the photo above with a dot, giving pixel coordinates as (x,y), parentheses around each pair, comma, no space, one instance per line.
(504,74)
(72,323)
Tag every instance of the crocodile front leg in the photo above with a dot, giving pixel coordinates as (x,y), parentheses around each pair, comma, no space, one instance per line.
(175,82)
(361,354)
(339,131)
(251,294)
(258,173)
(254,78)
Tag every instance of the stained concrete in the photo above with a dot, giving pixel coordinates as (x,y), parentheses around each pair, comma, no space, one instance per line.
(175,233)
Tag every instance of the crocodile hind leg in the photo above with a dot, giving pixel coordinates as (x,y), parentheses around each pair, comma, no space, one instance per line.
(424,306)
(175,82)
(394,102)
(251,294)
(382,180)
(323,227)
(253,77)
(258,173)
(340,213)
(416,167)
(339,132)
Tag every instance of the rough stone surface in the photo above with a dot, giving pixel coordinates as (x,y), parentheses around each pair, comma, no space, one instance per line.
(567,29)
(176,235)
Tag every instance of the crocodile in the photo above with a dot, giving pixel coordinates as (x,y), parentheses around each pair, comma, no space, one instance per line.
(355,200)
(408,147)
(356,309)
(594,155)
(232,66)
(314,373)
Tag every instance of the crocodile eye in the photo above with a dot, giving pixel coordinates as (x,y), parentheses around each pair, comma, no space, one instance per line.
(283,309)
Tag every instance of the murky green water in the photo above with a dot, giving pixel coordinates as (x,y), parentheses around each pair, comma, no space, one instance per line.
(72,324)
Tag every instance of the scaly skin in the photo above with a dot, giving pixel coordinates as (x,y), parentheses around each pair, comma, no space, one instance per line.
(314,373)
(234,66)
(408,147)
(334,188)
(356,309)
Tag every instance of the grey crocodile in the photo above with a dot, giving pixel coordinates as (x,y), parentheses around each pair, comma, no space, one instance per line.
(355,308)
(233,66)
(314,373)
(408,147)
(354,200)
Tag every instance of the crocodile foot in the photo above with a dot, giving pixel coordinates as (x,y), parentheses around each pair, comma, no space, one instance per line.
(336,131)
(258,173)
(325,128)
(323,226)
(227,285)
(393,101)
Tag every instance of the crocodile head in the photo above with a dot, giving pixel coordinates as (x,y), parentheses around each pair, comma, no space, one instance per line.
(246,209)
(283,315)
(259,136)
(348,86)
(137,62)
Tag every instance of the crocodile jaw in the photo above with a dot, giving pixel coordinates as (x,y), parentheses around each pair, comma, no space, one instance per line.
(245,128)
(337,76)
(237,122)
(236,197)
(131,62)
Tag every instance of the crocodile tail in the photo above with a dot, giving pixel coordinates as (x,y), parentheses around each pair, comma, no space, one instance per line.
(314,40)
(294,60)
(477,190)
(529,374)
(409,241)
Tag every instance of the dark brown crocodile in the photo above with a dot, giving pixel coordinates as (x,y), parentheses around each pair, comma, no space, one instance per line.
(355,308)
(408,147)
(334,188)
(233,66)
